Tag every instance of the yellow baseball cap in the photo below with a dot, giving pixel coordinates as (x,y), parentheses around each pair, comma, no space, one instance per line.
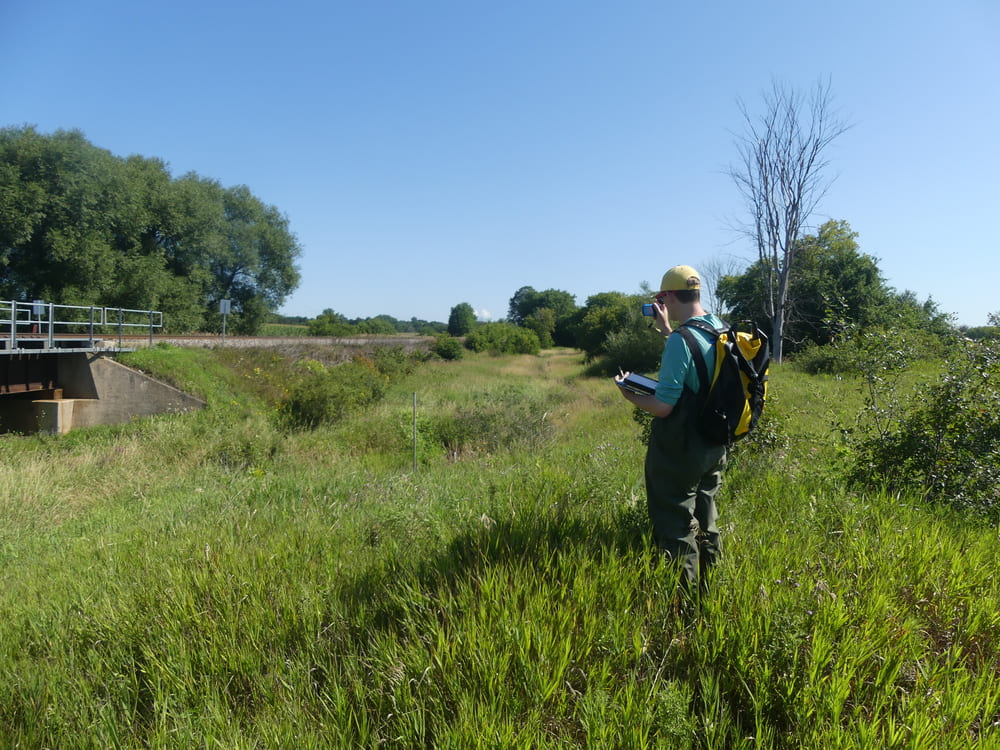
(680,278)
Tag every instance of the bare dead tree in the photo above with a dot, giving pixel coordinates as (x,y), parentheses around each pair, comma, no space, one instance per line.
(781,178)
(713,271)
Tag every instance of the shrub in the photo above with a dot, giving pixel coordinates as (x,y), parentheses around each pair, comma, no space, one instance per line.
(637,348)
(325,395)
(984,332)
(856,351)
(447,347)
(503,338)
(828,359)
(393,362)
(944,446)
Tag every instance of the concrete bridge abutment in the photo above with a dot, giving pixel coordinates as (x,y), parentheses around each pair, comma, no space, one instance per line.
(58,392)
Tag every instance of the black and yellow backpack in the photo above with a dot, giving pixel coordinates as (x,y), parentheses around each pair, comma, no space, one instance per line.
(731,401)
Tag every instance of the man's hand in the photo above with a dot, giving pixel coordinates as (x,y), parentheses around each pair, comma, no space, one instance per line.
(645,401)
(662,320)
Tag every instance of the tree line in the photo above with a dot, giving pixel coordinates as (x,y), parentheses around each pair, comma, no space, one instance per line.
(833,290)
(81,226)
(331,323)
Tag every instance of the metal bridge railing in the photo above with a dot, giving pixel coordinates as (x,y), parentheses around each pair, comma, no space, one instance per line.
(51,322)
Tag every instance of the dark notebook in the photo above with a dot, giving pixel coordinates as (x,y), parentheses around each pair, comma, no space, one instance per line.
(638,383)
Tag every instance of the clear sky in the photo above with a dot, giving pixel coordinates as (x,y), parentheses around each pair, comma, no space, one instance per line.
(431,152)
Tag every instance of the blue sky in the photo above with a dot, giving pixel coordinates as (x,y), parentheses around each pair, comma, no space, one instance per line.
(431,153)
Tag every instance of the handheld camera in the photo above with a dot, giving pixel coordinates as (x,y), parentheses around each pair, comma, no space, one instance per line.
(648,310)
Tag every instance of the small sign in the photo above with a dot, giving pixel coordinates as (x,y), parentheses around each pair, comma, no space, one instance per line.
(224,307)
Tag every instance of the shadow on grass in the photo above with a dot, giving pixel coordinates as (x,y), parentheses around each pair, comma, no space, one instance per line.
(532,540)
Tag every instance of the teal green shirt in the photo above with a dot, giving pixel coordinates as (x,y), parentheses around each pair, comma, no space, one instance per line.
(677,366)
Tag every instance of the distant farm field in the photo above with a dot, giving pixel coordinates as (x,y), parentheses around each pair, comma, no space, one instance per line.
(459,559)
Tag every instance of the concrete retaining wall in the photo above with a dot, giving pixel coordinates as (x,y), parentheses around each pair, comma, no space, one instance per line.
(96,391)
(122,393)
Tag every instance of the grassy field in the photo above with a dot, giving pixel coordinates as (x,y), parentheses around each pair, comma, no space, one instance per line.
(219,580)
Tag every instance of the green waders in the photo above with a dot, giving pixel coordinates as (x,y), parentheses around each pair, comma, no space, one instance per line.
(683,474)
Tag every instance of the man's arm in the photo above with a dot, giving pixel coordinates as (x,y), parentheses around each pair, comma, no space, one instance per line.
(650,403)
(645,401)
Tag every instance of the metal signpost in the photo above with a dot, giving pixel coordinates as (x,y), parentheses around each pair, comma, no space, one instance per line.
(224,309)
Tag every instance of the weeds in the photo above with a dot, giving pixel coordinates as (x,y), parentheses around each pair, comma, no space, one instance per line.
(217,579)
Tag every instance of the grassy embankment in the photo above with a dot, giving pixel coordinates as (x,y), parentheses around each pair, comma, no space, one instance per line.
(218,580)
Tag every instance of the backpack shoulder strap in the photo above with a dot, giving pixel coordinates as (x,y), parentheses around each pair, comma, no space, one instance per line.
(696,354)
(701,325)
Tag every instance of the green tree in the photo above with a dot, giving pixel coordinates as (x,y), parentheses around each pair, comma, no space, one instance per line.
(542,321)
(462,319)
(827,288)
(81,226)
(256,266)
(833,286)
(58,212)
(904,310)
(636,347)
(612,332)
(380,324)
(979,333)
(521,305)
(602,314)
(427,328)
(527,300)
(330,323)
(831,282)
(148,235)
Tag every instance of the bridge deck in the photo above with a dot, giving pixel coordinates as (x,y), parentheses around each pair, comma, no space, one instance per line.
(42,345)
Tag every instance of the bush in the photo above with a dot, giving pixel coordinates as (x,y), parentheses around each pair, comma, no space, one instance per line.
(637,348)
(827,359)
(944,446)
(325,395)
(984,332)
(858,348)
(393,362)
(447,347)
(503,338)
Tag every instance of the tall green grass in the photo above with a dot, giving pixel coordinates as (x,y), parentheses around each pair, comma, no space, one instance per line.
(222,580)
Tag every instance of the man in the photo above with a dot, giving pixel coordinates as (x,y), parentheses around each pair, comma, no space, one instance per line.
(683,470)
